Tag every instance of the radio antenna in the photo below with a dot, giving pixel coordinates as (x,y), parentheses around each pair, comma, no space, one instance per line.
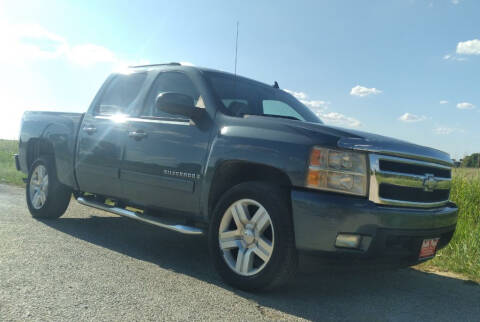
(236,50)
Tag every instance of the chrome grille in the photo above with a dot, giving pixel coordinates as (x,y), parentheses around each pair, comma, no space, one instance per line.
(408,183)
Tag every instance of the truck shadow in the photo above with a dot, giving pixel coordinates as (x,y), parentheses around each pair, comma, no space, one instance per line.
(323,294)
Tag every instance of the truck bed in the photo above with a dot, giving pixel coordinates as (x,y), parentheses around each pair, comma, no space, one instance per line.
(59,131)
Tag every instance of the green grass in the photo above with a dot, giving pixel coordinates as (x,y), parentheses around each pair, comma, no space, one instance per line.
(8,172)
(462,255)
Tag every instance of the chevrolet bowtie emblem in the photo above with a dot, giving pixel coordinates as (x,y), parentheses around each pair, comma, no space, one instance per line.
(429,183)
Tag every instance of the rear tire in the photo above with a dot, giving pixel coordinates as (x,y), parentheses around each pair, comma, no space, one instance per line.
(256,249)
(46,196)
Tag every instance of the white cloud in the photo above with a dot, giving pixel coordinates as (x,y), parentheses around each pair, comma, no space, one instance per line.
(469,47)
(454,57)
(455,1)
(315,105)
(465,106)
(410,118)
(89,54)
(443,130)
(443,102)
(362,91)
(186,63)
(297,95)
(339,119)
(320,107)
(36,31)
(23,43)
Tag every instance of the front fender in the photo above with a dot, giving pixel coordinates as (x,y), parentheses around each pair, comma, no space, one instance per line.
(288,158)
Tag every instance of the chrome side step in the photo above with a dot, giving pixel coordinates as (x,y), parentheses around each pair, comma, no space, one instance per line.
(141,217)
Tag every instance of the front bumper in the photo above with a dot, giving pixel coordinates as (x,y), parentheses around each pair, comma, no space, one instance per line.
(386,231)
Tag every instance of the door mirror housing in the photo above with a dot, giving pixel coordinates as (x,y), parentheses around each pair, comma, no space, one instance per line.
(176,103)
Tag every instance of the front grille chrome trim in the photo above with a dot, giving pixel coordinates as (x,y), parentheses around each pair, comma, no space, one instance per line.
(378,176)
(409,180)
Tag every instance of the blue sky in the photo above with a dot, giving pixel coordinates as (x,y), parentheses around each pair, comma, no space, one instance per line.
(407,69)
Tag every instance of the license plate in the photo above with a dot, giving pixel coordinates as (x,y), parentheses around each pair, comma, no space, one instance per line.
(429,247)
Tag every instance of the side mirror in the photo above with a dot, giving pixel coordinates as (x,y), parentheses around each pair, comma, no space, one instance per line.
(176,103)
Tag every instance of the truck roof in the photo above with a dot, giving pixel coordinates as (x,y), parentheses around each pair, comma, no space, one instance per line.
(163,65)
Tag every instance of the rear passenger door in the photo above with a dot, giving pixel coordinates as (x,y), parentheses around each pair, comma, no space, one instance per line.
(165,153)
(102,135)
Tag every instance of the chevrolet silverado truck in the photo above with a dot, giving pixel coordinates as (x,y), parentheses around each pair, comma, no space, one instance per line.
(199,151)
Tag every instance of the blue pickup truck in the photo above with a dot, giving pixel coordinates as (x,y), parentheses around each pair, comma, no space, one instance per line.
(200,151)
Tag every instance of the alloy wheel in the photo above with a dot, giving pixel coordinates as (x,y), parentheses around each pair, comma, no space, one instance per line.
(246,237)
(39,187)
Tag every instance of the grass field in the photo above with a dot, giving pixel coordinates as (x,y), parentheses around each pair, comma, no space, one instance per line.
(8,173)
(462,255)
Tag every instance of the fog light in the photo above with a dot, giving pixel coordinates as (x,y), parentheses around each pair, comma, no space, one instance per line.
(348,240)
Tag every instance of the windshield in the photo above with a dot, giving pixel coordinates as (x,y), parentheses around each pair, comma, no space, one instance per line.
(240,96)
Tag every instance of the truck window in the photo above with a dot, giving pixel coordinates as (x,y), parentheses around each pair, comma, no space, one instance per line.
(120,94)
(170,82)
(240,96)
(273,107)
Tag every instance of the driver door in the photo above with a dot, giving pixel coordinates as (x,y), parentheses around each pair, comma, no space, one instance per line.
(164,153)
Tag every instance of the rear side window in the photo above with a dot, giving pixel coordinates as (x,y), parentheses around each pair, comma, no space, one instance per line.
(120,93)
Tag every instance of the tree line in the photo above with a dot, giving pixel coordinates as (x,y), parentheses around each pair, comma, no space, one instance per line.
(471,161)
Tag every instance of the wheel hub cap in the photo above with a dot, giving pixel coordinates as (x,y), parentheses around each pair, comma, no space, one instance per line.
(39,187)
(246,237)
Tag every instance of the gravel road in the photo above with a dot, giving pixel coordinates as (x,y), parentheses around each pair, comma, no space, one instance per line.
(90,265)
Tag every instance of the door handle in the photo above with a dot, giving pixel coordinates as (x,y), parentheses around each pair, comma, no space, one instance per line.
(89,129)
(137,135)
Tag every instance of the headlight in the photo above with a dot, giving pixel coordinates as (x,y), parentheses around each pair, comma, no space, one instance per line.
(339,171)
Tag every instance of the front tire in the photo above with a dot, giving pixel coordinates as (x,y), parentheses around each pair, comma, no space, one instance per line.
(251,237)
(46,196)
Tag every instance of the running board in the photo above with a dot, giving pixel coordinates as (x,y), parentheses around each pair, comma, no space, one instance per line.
(141,217)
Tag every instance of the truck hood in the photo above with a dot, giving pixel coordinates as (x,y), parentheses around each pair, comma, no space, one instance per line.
(363,141)
(385,145)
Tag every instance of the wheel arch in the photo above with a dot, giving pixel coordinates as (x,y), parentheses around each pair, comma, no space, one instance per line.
(38,147)
(231,173)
